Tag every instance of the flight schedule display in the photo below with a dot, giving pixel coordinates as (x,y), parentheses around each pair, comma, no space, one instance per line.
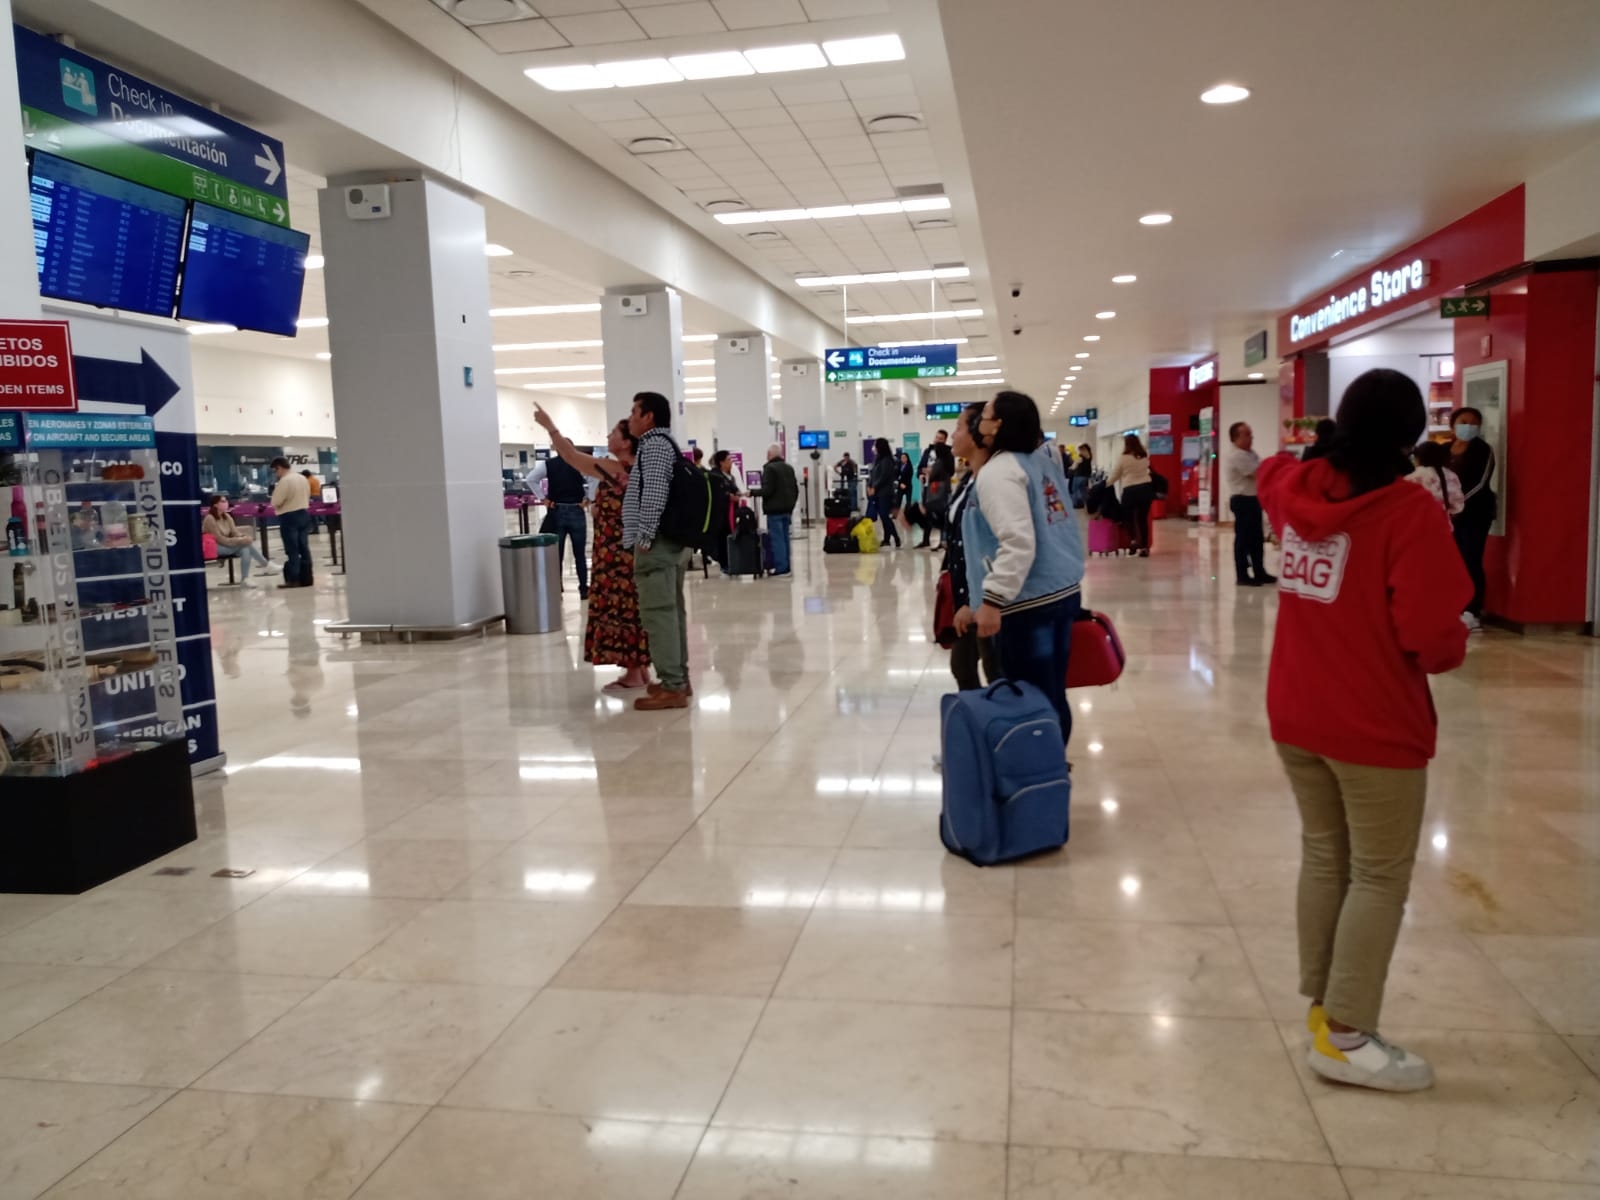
(242,272)
(104,241)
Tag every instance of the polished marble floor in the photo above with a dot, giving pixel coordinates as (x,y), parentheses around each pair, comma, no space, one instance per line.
(504,937)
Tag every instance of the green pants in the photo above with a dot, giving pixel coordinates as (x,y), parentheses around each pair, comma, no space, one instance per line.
(1359,831)
(658,575)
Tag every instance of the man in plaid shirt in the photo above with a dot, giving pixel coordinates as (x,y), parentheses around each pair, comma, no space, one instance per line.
(659,563)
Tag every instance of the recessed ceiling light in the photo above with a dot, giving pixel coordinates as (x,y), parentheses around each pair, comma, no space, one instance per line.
(543,310)
(577,78)
(1225,93)
(1076,368)
(1124,279)
(852,52)
(315,262)
(764,235)
(324,355)
(811,281)
(1081,354)
(496,250)
(312,323)
(875,209)
(640,72)
(894,123)
(963,314)
(1107,315)
(1091,337)
(769,60)
(722,65)
(729,205)
(1156,219)
(652,144)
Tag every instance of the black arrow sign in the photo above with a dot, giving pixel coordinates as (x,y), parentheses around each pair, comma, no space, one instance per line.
(111,380)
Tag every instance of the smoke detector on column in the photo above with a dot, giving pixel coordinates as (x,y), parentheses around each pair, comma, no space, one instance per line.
(738,345)
(635,306)
(367,202)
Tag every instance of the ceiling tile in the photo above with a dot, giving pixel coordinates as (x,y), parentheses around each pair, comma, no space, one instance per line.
(914,140)
(624,131)
(679,104)
(834,130)
(599,28)
(833,10)
(767,137)
(755,118)
(836,110)
(695,123)
(611,110)
(755,14)
(811,93)
(740,99)
(675,164)
(637,4)
(708,184)
(680,20)
(517,37)
(566,8)
(717,139)
(879,85)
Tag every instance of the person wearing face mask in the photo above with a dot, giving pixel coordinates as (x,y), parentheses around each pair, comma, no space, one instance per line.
(1472,459)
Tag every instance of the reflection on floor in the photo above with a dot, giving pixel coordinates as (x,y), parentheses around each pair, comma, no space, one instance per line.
(504,937)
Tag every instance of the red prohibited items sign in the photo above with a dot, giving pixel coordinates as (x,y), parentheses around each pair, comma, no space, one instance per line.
(36,366)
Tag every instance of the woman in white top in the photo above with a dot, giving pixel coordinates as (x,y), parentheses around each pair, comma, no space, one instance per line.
(1138,490)
(1433,472)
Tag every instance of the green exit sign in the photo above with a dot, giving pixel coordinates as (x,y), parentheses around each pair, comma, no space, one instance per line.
(1464,306)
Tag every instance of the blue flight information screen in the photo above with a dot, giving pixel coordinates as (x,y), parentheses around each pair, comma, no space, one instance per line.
(243,272)
(102,240)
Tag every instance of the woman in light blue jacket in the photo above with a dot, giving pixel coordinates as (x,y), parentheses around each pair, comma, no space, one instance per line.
(1024,553)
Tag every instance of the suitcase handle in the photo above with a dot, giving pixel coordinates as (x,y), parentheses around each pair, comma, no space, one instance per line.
(1000,683)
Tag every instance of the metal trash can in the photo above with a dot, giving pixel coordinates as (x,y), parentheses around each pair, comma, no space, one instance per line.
(530,582)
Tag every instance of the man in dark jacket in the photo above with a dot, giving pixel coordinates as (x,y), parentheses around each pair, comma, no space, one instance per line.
(780,491)
(565,519)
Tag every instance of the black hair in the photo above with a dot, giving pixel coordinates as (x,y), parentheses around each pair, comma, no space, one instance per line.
(720,457)
(656,405)
(1020,430)
(1132,445)
(882,449)
(280,461)
(1431,454)
(1085,449)
(211,502)
(1326,428)
(1233,430)
(972,417)
(1381,416)
(1461,412)
(626,435)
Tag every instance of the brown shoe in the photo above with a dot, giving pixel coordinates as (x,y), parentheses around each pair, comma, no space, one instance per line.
(661,698)
(658,686)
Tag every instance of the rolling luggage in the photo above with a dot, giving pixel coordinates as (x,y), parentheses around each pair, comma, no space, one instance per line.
(1097,657)
(1006,787)
(1107,537)
(840,543)
(837,526)
(744,554)
(836,508)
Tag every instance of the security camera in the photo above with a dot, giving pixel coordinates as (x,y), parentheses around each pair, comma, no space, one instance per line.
(1016,330)
(1016,291)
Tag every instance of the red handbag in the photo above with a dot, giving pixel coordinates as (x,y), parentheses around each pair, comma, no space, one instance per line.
(1097,656)
(944,612)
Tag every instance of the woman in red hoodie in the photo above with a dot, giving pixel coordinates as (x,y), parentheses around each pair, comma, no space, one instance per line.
(1371,594)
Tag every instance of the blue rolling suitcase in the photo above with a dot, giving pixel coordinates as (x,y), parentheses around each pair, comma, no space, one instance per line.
(1006,787)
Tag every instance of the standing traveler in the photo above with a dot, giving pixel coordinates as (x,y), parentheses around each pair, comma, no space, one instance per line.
(1082,472)
(780,492)
(231,543)
(939,439)
(939,480)
(905,478)
(567,498)
(883,485)
(1472,459)
(613,635)
(1138,490)
(291,500)
(1023,551)
(1319,449)
(659,563)
(1369,570)
(314,484)
(1239,465)
(1433,472)
(970,650)
(722,464)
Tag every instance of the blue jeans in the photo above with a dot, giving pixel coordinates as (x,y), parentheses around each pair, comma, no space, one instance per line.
(778,531)
(247,555)
(1034,645)
(295,530)
(569,524)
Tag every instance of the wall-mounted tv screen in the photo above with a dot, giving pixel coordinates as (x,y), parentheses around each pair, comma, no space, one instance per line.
(102,240)
(242,272)
(813,439)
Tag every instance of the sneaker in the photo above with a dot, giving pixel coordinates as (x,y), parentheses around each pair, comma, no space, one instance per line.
(1373,1064)
(273,568)
(660,699)
(1472,623)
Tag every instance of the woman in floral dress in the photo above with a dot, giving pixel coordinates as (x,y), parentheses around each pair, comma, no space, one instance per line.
(614,637)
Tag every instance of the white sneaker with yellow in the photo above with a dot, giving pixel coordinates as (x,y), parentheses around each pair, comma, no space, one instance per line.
(1372,1063)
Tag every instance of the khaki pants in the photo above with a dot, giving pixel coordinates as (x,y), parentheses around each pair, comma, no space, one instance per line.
(1359,831)
(658,575)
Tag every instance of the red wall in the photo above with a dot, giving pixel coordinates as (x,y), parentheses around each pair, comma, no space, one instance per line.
(1543,326)
(1169,394)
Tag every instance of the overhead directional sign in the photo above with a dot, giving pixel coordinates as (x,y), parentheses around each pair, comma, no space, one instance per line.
(143,383)
(78,107)
(853,364)
(1464,306)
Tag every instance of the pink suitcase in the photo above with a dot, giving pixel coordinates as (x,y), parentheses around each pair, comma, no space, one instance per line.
(1107,537)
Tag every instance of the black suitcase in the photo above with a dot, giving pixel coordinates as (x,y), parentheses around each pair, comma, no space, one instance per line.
(840,543)
(835,507)
(744,554)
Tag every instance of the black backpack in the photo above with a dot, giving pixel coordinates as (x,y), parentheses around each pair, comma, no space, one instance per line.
(688,516)
(744,522)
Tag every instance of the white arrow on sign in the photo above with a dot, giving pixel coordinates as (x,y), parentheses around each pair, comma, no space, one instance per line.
(277,210)
(268,162)
(835,359)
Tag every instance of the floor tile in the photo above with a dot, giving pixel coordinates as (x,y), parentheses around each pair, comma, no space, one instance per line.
(155,1028)
(694,874)
(913,957)
(1160,1084)
(113,930)
(897,1070)
(359,1040)
(710,951)
(394,867)
(285,934)
(1056,1174)
(473,818)
(754,1164)
(1588,1049)
(1405,1185)
(1560,976)
(764,820)
(19,910)
(1134,967)
(30,992)
(510,1156)
(570,874)
(1126,887)
(47,1129)
(917,881)
(610,1054)
(244,1147)
(638,817)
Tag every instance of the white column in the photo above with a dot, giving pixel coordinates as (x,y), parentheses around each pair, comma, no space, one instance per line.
(19,275)
(643,332)
(802,395)
(744,397)
(416,405)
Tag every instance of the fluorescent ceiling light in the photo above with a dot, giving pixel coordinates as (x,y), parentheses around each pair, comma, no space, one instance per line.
(876,208)
(721,65)
(550,370)
(923,342)
(640,72)
(710,391)
(1124,279)
(980,358)
(1252,375)
(700,379)
(594,395)
(323,355)
(543,310)
(312,323)
(814,281)
(578,78)
(496,250)
(699,362)
(700,400)
(986,371)
(1156,219)
(203,330)
(1081,354)
(960,383)
(851,52)
(1108,315)
(315,262)
(962,314)
(592,344)
(1091,337)
(770,60)
(1077,368)
(699,337)
(1225,93)
(564,385)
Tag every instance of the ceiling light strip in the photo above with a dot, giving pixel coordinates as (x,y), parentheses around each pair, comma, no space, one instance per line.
(761,60)
(877,208)
(956,314)
(816,281)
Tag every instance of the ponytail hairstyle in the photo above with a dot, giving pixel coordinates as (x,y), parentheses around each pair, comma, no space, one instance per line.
(1381,417)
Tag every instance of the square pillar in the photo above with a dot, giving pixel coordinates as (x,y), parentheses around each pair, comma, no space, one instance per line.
(642,328)
(744,397)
